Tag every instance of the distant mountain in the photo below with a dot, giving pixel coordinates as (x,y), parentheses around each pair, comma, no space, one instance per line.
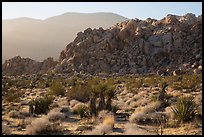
(39,39)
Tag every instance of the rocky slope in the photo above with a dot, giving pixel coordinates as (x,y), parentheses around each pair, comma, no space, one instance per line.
(137,46)
(18,65)
(172,44)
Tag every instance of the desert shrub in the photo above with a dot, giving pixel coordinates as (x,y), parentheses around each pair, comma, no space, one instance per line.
(73,102)
(41,104)
(13,95)
(62,101)
(106,127)
(42,126)
(140,113)
(101,129)
(137,117)
(188,82)
(18,114)
(152,81)
(103,113)
(24,112)
(54,105)
(6,130)
(185,109)
(109,120)
(81,110)
(13,114)
(55,115)
(132,83)
(78,91)
(57,89)
(115,108)
(160,122)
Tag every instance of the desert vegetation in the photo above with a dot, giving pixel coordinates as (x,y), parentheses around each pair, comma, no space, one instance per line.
(113,105)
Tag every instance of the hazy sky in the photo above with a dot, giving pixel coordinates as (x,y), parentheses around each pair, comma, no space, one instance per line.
(141,10)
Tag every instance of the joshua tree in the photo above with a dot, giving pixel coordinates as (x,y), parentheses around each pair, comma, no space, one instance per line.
(92,105)
(162,96)
(162,93)
(110,93)
(101,104)
(31,106)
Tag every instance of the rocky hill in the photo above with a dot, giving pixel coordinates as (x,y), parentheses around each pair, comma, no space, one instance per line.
(18,66)
(29,37)
(137,46)
(172,44)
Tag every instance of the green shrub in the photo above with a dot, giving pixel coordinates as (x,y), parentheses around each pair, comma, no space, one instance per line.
(13,95)
(79,91)
(185,109)
(188,82)
(57,89)
(82,110)
(41,104)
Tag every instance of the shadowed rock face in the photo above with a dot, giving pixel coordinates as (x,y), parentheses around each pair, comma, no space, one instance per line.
(136,46)
(172,44)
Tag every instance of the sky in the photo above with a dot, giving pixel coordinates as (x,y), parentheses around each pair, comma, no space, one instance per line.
(131,10)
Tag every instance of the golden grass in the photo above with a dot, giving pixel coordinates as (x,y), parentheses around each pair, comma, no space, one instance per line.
(109,120)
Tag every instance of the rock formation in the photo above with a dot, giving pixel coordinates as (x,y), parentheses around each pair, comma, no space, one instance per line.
(136,46)
(172,45)
(18,66)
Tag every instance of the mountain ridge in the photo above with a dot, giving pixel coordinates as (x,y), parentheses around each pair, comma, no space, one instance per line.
(22,33)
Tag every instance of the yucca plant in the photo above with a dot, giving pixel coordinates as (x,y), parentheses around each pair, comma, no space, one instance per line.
(185,109)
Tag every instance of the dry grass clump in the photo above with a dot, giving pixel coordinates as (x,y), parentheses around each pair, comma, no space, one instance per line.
(62,102)
(169,113)
(79,108)
(102,114)
(142,102)
(136,117)
(73,102)
(76,106)
(18,114)
(131,129)
(198,99)
(109,119)
(101,129)
(43,126)
(82,110)
(55,115)
(141,112)
(106,127)
(6,130)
